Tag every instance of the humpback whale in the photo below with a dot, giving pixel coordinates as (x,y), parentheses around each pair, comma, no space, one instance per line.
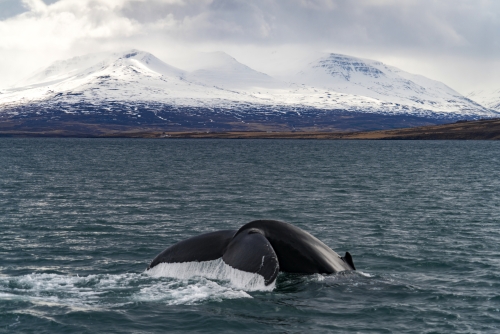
(263,247)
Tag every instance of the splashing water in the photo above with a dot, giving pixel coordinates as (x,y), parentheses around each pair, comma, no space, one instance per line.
(106,291)
(215,270)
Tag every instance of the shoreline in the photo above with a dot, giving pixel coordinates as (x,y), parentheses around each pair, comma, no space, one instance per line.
(462,130)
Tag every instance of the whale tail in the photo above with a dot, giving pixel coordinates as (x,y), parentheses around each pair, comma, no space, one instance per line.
(347,258)
(263,247)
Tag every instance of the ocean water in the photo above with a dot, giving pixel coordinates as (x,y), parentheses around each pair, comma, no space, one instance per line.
(81,219)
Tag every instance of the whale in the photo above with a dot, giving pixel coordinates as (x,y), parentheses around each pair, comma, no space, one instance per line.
(263,247)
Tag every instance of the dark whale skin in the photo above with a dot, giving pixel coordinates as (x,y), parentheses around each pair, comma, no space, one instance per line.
(264,247)
(204,247)
(298,251)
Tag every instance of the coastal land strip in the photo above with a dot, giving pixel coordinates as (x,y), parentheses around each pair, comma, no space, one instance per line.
(488,129)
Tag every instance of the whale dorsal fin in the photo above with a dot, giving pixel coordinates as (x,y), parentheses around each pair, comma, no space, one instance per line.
(348,259)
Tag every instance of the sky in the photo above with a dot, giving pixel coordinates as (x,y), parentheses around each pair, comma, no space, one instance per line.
(453,41)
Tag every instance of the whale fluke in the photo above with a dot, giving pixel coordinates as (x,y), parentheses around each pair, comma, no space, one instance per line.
(250,251)
(204,247)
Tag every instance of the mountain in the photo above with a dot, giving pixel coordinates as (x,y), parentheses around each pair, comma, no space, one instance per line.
(490,98)
(138,76)
(134,88)
(220,69)
(129,76)
(398,91)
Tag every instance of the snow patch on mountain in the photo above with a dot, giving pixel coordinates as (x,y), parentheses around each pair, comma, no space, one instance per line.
(490,98)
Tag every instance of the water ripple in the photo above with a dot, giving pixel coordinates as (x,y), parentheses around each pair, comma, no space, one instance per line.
(81,219)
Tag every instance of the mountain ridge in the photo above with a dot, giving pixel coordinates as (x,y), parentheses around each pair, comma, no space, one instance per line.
(134,85)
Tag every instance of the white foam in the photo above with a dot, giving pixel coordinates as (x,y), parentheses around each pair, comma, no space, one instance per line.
(216,270)
(187,293)
(107,290)
(63,290)
(318,277)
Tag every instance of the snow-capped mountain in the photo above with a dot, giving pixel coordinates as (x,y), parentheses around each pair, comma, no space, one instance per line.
(128,76)
(221,70)
(137,76)
(373,79)
(131,81)
(490,98)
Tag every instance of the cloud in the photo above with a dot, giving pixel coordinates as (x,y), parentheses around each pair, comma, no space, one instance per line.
(60,25)
(384,29)
(386,23)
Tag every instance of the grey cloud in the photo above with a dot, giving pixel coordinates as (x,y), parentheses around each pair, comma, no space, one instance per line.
(219,20)
(444,33)
(468,26)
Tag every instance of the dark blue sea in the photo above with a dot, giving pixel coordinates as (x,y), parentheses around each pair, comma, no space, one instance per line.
(81,219)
